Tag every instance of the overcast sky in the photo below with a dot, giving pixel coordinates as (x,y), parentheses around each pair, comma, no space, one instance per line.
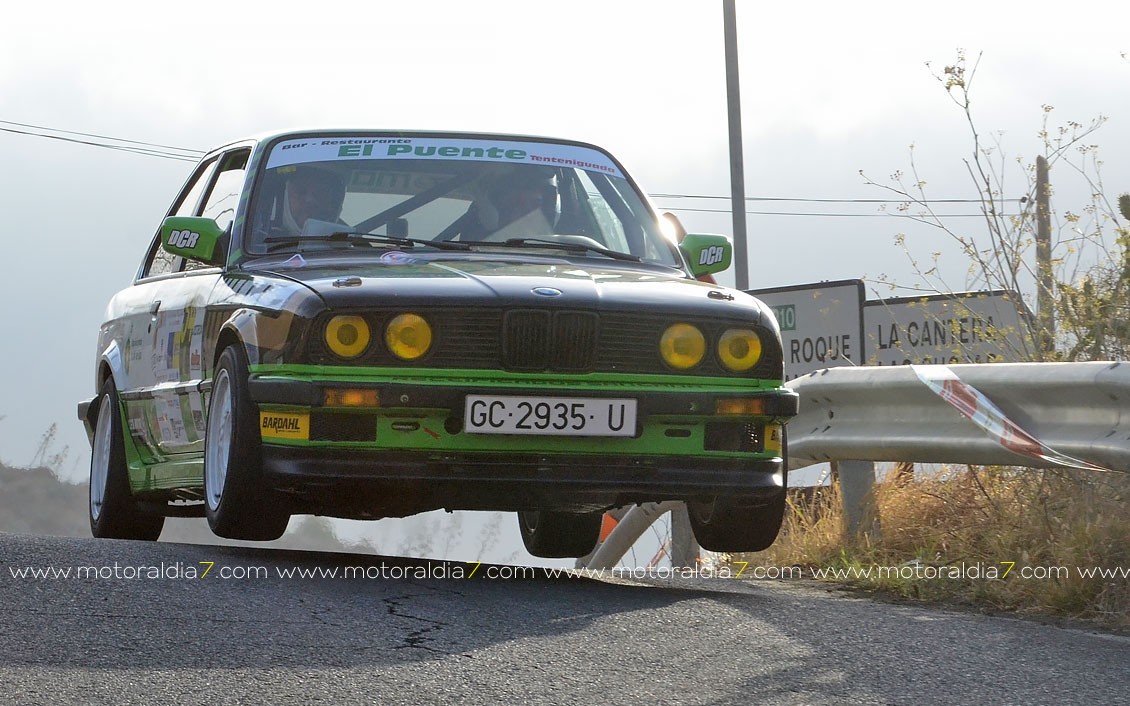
(828,89)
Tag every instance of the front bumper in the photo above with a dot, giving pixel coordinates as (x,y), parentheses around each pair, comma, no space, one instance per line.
(412,452)
(780,404)
(358,483)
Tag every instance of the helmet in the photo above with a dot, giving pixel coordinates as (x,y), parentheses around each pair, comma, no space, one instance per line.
(313,192)
(515,194)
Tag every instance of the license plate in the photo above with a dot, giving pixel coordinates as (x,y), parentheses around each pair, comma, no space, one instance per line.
(558,416)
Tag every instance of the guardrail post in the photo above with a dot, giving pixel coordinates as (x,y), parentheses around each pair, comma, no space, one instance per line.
(857,486)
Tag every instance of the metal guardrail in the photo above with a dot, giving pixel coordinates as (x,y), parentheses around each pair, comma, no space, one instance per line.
(1080,410)
(1038,415)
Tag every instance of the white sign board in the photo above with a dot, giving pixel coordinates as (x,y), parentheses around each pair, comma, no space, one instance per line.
(821,324)
(968,327)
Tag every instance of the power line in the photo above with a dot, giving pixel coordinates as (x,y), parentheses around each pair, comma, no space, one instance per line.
(181,154)
(809,200)
(135,150)
(186,154)
(104,137)
(884,214)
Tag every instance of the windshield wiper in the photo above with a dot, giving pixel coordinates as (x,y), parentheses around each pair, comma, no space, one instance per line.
(571,246)
(396,240)
(352,237)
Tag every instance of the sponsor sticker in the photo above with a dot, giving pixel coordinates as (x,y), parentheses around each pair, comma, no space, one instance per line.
(299,151)
(773,438)
(284,425)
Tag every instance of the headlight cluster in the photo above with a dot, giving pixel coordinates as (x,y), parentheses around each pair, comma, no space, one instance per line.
(407,336)
(683,346)
(347,336)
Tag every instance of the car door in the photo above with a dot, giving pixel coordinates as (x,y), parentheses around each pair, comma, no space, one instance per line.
(135,313)
(177,421)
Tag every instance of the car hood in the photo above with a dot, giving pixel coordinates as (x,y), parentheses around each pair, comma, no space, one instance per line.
(400,279)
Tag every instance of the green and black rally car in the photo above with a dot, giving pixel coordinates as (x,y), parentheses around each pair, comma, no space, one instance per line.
(366,324)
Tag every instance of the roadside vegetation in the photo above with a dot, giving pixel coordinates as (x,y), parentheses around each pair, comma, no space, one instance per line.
(1045,542)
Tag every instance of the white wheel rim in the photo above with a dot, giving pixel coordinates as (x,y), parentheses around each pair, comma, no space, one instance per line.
(217,440)
(100,457)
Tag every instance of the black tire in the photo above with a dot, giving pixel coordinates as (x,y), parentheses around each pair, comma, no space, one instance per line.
(237,501)
(114,514)
(737,524)
(556,535)
(741,524)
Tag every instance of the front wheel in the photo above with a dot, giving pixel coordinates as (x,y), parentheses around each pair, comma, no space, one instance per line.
(741,523)
(554,535)
(736,524)
(238,503)
(114,514)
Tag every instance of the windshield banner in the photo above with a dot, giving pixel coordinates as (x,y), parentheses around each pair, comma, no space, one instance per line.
(319,149)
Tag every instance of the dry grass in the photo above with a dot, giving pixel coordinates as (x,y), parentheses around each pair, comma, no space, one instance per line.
(1024,537)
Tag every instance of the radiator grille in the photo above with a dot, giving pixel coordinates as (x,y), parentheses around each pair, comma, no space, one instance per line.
(535,340)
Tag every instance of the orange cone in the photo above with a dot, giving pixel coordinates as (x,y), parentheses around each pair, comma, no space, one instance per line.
(607,524)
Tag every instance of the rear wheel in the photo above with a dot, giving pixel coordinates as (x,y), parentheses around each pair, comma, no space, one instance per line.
(553,534)
(114,514)
(238,503)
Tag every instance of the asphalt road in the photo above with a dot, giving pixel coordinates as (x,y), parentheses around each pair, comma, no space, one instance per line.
(414,632)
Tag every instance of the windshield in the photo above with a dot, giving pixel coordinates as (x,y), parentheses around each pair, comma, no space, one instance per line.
(498,193)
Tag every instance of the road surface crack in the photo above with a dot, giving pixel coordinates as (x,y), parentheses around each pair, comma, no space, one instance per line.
(422,638)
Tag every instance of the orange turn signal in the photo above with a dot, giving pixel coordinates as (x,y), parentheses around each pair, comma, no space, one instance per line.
(352,397)
(750,406)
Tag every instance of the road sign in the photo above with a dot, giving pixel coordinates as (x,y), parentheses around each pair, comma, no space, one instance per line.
(965,327)
(821,324)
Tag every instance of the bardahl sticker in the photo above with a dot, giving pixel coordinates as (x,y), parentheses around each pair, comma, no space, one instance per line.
(283,425)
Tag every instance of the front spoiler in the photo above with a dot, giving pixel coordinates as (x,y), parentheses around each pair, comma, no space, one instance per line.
(357,483)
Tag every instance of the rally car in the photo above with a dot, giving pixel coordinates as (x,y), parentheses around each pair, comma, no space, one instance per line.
(366,324)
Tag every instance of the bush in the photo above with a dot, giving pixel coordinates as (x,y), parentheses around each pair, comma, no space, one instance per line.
(1023,540)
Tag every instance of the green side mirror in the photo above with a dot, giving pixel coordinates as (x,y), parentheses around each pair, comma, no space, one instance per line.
(192,237)
(707,254)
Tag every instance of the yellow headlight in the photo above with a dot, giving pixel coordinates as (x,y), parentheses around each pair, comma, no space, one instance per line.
(739,349)
(408,336)
(682,346)
(347,336)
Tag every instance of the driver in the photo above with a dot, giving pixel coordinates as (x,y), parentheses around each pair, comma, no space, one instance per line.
(311,193)
(520,204)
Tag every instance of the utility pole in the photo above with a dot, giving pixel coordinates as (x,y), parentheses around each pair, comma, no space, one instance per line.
(737,176)
(1045,298)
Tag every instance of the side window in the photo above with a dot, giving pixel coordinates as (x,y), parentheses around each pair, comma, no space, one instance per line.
(160,262)
(223,198)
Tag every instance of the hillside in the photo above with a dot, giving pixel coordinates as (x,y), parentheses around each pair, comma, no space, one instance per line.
(33,501)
